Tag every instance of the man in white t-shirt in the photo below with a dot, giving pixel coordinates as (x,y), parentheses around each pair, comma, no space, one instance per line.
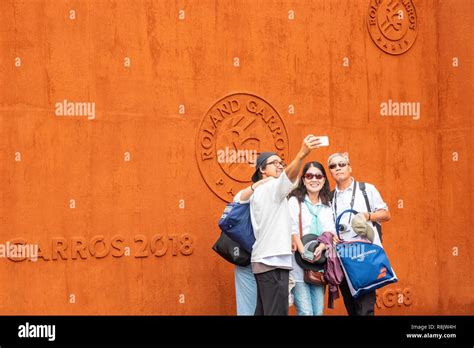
(271,253)
(348,195)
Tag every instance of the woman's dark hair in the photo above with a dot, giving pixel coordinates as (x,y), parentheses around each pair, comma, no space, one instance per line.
(300,191)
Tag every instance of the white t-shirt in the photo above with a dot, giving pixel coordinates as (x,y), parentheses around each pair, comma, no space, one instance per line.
(344,202)
(325,217)
(271,222)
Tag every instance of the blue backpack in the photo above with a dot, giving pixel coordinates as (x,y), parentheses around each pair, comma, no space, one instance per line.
(236,224)
(365,265)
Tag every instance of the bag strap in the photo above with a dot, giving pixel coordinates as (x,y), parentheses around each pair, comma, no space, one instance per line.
(301,222)
(339,219)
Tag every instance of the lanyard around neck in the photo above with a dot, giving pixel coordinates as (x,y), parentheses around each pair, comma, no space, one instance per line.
(352,202)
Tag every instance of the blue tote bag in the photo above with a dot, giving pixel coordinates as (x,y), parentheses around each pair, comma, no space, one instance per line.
(365,265)
(236,224)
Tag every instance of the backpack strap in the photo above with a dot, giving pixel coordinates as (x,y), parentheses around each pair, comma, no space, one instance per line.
(366,198)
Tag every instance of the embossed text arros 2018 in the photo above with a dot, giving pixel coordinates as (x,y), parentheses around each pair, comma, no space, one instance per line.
(100,246)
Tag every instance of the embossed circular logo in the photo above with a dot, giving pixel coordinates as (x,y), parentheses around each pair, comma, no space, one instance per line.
(232,134)
(392,25)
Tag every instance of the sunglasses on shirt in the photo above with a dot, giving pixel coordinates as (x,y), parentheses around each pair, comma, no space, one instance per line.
(309,176)
(340,164)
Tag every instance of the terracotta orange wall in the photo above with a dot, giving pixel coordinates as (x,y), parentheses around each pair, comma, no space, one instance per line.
(161,194)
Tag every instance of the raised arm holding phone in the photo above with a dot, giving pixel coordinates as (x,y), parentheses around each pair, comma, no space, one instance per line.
(271,254)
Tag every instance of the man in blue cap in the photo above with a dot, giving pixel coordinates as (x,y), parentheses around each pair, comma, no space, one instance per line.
(271,253)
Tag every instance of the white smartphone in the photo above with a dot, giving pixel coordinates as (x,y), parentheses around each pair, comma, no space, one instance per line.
(324,140)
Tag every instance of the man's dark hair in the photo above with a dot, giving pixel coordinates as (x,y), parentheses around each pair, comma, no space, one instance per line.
(259,173)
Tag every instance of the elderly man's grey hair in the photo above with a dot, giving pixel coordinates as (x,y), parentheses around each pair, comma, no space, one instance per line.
(344,155)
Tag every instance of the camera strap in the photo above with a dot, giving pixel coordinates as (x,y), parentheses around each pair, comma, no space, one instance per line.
(334,212)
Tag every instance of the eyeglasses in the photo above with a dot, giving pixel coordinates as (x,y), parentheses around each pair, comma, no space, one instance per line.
(277,163)
(340,164)
(309,176)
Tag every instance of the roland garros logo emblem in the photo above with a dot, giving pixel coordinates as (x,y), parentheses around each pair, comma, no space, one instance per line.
(232,134)
(392,25)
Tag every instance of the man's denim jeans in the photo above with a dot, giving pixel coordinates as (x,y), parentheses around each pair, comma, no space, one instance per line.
(245,290)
